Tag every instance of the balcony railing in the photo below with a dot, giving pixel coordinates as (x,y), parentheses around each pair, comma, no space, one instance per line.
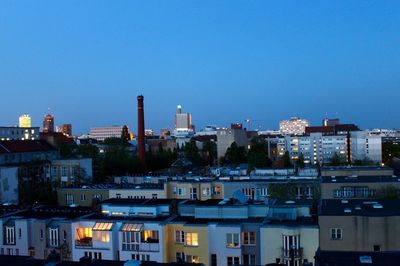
(84,242)
(149,247)
(289,253)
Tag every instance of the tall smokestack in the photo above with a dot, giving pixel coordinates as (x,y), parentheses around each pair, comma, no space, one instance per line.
(141,148)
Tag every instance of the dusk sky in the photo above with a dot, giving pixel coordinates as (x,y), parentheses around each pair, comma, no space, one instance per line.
(223,61)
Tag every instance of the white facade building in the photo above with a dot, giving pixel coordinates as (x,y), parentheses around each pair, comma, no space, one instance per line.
(317,147)
(102,133)
(293,126)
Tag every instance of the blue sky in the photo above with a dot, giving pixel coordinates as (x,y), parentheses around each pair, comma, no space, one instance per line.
(224,61)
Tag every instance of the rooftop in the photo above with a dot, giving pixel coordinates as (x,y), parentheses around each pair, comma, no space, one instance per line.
(140,202)
(358,207)
(355,168)
(47,212)
(356,258)
(20,146)
(360,179)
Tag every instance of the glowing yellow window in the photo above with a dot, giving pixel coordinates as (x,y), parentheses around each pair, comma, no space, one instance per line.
(192,239)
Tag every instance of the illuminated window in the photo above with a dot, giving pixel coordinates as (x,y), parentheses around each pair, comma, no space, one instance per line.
(150,236)
(192,239)
(103,226)
(232,240)
(101,236)
(192,259)
(84,236)
(249,238)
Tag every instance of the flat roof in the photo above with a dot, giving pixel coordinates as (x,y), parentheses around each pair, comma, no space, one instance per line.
(356,168)
(359,207)
(140,202)
(48,212)
(360,179)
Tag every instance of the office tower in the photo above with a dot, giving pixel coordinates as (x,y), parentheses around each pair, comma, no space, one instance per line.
(183,121)
(48,124)
(25,121)
(65,129)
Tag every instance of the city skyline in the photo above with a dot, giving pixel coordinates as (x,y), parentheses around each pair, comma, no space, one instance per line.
(224,62)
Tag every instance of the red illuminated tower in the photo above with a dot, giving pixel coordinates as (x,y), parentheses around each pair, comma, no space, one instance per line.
(141,147)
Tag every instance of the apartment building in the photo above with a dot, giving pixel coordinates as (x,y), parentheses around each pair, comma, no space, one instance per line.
(38,231)
(290,235)
(318,147)
(356,171)
(359,187)
(359,225)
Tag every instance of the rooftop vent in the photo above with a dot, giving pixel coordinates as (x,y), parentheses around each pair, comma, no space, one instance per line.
(347,210)
(366,259)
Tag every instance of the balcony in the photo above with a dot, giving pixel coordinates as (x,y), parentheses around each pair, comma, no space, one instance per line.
(149,247)
(296,253)
(84,242)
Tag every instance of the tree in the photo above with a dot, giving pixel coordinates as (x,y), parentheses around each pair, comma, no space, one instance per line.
(390,150)
(335,160)
(300,161)
(388,192)
(209,152)
(257,156)
(235,155)
(191,153)
(287,163)
(125,136)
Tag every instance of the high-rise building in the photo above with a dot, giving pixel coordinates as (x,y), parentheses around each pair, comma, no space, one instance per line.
(48,124)
(25,121)
(293,126)
(65,129)
(183,123)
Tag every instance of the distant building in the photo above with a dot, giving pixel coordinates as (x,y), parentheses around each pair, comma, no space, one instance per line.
(17,151)
(48,123)
(183,123)
(148,132)
(293,126)
(65,129)
(19,133)
(165,132)
(327,122)
(102,133)
(25,121)
(226,136)
(318,147)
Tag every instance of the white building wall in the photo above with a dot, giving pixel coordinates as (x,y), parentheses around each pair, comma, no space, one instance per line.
(272,242)
(217,242)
